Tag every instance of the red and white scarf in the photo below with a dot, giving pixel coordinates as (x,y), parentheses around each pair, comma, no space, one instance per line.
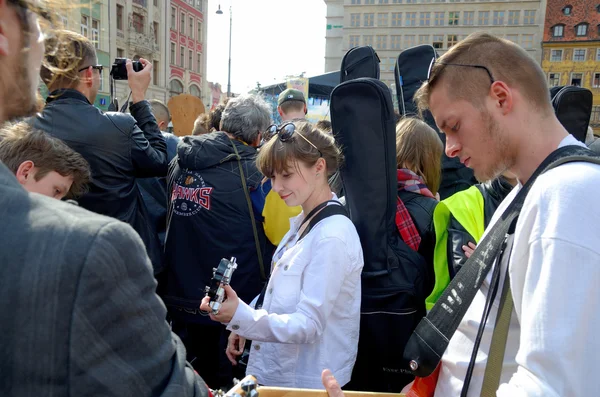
(411,182)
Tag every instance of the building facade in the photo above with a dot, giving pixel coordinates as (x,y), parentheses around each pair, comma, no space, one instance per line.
(187,47)
(391,26)
(571,48)
(91,19)
(138,30)
(169,33)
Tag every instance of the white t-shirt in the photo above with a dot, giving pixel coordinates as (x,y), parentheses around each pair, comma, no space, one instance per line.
(553,344)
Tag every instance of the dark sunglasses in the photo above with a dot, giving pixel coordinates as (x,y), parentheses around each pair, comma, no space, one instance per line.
(433,62)
(286,133)
(99,68)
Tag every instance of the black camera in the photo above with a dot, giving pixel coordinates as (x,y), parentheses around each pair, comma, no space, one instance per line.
(118,71)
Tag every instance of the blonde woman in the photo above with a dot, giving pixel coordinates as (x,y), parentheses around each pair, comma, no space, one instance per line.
(418,156)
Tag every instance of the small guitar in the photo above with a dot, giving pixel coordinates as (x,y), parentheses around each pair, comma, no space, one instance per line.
(221,277)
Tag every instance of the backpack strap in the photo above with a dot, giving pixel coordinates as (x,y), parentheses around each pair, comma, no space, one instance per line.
(432,335)
(251,212)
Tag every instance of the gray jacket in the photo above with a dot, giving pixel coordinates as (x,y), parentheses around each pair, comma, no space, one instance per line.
(78,311)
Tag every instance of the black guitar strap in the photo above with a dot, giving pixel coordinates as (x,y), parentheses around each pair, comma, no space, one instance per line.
(430,339)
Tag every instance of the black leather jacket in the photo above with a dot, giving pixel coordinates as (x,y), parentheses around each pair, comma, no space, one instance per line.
(493,192)
(119,148)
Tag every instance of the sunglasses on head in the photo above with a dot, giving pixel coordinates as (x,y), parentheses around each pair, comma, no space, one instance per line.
(433,62)
(286,133)
(97,67)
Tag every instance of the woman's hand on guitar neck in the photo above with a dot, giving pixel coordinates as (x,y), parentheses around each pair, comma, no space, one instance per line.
(235,347)
(331,384)
(227,309)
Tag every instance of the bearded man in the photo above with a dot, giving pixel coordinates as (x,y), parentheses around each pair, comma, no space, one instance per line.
(78,311)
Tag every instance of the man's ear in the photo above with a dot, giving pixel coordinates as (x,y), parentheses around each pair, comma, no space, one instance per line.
(256,142)
(25,171)
(88,76)
(305,109)
(162,125)
(502,96)
(279,111)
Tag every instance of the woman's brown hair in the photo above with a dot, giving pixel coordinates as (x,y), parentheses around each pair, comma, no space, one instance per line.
(277,156)
(419,148)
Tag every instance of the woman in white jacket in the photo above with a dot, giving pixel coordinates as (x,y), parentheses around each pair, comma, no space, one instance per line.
(310,316)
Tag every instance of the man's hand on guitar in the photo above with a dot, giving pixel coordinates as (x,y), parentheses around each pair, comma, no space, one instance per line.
(331,384)
(227,309)
(235,347)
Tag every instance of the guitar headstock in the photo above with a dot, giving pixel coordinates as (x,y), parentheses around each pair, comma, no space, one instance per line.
(247,387)
(221,277)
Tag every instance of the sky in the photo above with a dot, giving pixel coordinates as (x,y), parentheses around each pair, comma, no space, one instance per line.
(271,39)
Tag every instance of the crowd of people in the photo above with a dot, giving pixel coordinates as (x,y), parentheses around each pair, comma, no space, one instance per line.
(112,228)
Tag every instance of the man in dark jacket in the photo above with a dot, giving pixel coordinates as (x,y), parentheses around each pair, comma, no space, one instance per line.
(211,217)
(78,312)
(154,190)
(119,147)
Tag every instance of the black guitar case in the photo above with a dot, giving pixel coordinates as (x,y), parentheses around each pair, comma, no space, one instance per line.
(412,67)
(393,277)
(359,62)
(573,108)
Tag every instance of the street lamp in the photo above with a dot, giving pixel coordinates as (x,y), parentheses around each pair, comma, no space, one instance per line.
(220,12)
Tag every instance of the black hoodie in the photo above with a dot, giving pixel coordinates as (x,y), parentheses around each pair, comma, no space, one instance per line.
(209,219)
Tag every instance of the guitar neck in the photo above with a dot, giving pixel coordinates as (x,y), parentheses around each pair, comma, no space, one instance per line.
(268,391)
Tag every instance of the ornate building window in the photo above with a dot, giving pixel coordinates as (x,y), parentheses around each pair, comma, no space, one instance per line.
(138,22)
(558,30)
(175,87)
(581,29)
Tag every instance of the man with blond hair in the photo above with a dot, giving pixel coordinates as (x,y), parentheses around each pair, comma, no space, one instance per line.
(119,147)
(490,98)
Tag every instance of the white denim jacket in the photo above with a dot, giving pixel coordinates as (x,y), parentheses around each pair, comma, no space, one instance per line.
(311,312)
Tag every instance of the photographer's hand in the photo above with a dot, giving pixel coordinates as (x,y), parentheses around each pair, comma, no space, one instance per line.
(139,81)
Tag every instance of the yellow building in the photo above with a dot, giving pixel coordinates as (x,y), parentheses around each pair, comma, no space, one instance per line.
(576,63)
(571,48)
